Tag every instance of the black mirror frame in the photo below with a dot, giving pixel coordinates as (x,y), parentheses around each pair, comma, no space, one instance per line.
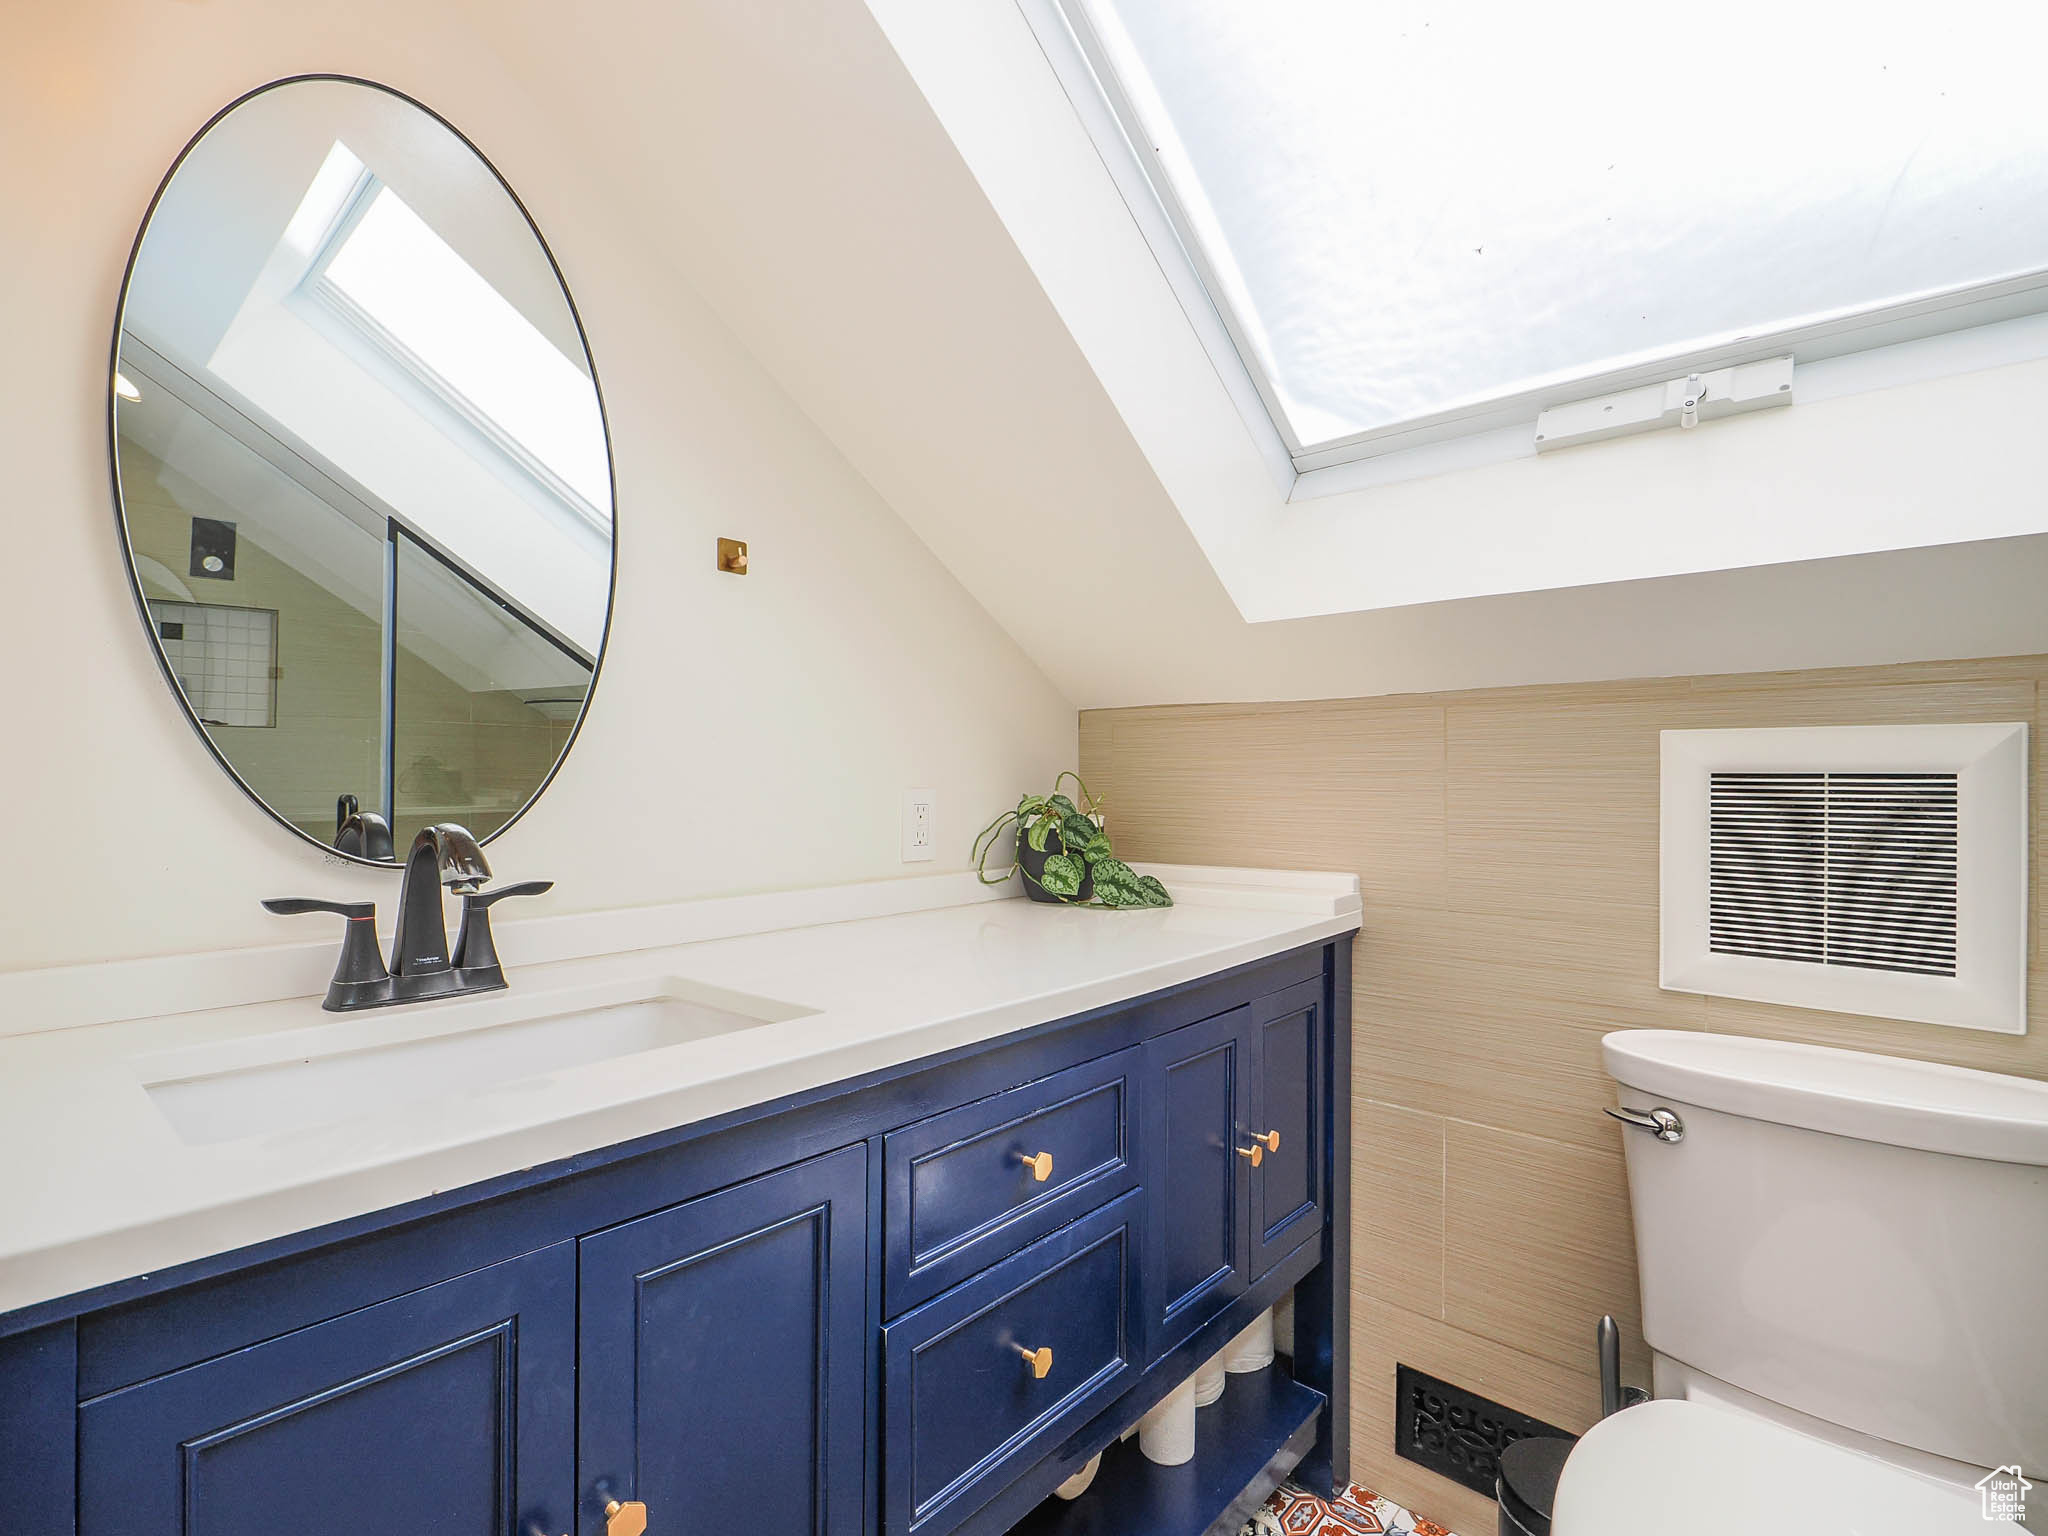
(114,461)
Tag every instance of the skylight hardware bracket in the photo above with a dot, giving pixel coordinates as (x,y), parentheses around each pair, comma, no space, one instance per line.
(1682,402)
(1690,391)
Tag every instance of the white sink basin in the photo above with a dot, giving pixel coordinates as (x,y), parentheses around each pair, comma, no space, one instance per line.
(372,1063)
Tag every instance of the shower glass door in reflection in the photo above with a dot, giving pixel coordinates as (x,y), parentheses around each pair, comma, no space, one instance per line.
(481,696)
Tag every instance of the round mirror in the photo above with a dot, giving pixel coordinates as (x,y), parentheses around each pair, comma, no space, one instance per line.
(361,468)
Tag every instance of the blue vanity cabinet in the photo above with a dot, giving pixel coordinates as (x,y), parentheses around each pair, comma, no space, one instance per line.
(723,1358)
(908,1304)
(1288,1193)
(1198,1097)
(445,1412)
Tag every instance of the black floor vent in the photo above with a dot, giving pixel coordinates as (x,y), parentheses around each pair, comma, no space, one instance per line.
(1454,1432)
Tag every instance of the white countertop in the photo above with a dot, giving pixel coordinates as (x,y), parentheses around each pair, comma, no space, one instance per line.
(101,1186)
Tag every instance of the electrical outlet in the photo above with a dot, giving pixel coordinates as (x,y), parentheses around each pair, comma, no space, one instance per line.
(920,825)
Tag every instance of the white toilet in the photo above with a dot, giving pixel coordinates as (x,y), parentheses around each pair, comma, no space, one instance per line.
(1844,1264)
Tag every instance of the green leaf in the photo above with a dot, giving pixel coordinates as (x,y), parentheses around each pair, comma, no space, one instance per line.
(1038,832)
(1118,885)
(1115,884)
(1063,805)
(1096,848)
(1078,831)
(1063,873)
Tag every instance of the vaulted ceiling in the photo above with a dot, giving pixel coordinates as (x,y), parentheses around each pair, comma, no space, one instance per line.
(790,166)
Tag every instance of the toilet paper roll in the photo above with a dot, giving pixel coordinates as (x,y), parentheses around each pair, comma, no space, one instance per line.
(1210,1380)
(1251,1350)
(1077,1485)
(1166,1435)
(1283,1325)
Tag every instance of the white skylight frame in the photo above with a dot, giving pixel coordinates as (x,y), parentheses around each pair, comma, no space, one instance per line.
(2000,313)
(347,208)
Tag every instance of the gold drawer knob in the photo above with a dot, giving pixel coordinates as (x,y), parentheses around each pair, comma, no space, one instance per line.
(1256,1153)
(1038,1361)
(628,1519)
(1270,1141)
(1040,1164)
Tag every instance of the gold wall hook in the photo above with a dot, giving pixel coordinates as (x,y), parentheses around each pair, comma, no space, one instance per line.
(1256,1154)
(1040,1164)
(627,1519)
(732,556)
(1270,1141)
(1037,1361)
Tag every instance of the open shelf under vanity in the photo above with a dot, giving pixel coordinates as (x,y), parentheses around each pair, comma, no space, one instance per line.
(1246,1443)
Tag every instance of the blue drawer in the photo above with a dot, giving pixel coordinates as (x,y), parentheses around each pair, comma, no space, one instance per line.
(963,1187)
(965,1409)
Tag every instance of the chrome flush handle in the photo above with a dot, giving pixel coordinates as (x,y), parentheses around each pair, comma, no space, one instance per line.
(1660,1122)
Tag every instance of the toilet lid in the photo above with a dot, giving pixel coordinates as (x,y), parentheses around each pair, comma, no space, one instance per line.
(1680,1468)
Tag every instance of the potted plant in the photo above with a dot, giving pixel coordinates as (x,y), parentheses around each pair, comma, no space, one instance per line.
(1064,854)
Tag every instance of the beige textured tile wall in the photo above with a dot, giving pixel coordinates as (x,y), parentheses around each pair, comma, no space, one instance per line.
(1507,842)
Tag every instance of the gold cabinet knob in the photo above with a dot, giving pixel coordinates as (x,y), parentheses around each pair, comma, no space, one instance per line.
(1256,1153)
(1040,1164)
(627,1519)
(1270,1141)
(1038,1361)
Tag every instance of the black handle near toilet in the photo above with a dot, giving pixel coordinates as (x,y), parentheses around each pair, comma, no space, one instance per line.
(1527,1488)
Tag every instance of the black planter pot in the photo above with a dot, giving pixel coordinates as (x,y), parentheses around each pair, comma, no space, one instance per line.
(1033,864)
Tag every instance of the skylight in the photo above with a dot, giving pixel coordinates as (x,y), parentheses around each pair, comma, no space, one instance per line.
(1408,211)
(476,345)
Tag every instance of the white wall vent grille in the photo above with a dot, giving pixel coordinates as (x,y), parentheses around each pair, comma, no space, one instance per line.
(1867,869)
(1834,869)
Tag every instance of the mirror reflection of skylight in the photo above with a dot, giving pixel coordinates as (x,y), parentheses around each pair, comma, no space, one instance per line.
(326,195)
(1408,207)
(433,304)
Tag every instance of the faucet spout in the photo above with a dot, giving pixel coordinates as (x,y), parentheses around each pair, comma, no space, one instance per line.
(445,854)
(461,862)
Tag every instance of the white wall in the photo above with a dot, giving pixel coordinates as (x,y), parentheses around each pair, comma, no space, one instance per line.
(747,733)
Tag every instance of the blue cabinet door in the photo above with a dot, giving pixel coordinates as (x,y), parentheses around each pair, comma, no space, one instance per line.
(1197,1103)
(722,1359)
(445,1412)
(1287,1187)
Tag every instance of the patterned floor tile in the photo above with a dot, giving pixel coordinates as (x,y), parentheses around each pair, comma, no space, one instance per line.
(1295,1511)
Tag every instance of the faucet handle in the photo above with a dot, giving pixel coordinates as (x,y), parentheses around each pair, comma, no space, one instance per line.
(482,899)
(475,949)
(293,906)
(360,977)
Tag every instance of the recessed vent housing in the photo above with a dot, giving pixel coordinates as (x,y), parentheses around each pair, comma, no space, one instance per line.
(1866,869)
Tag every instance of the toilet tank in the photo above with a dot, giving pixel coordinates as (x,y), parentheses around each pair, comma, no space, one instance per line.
(1859,1238)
